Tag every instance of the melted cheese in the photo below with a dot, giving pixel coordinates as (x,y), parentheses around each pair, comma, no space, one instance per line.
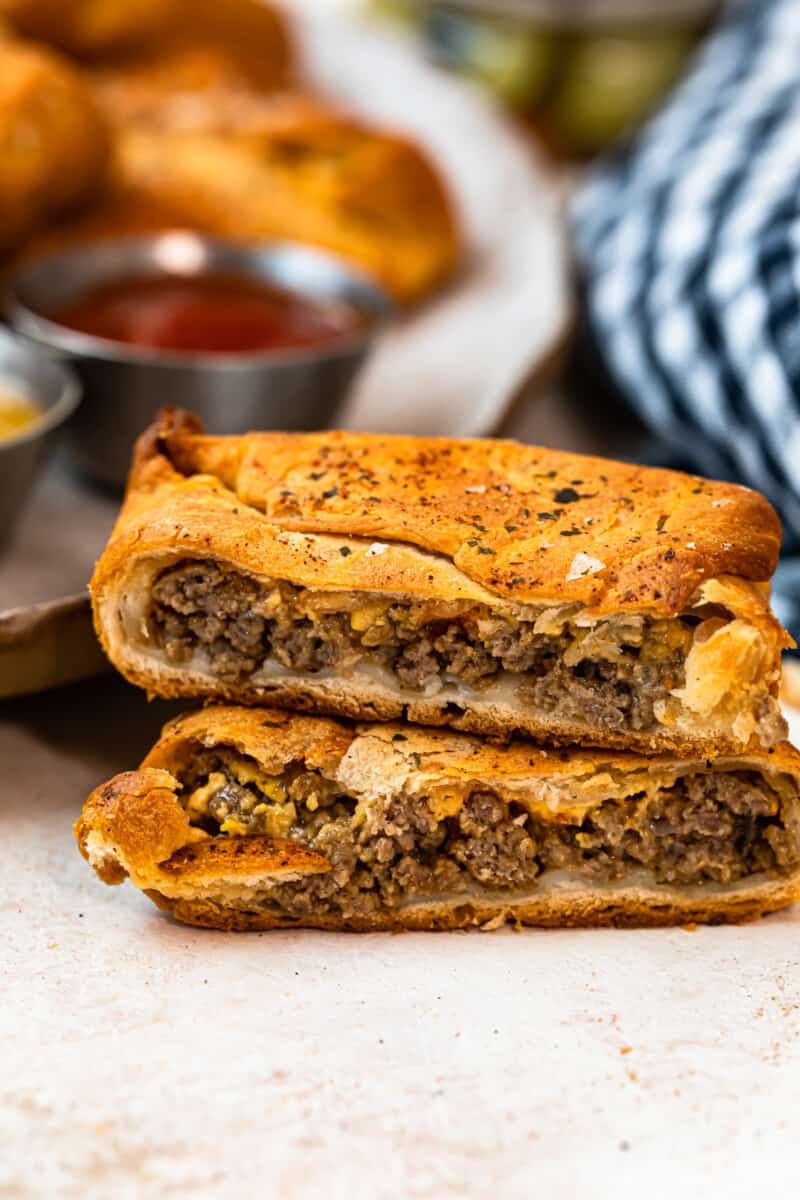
(369,614)
(234,826)
(17,414)
(197,804)
(277,816)
(247,772)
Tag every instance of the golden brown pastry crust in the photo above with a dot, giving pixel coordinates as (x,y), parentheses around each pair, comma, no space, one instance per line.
(185,88)
(659,534)
(439,519)
(54,140)
(252,33)
(247,165)
(114,30)
(135,824)
(91,26)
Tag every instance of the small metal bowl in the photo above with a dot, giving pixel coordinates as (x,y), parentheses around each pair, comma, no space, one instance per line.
(124,386)
(56,391)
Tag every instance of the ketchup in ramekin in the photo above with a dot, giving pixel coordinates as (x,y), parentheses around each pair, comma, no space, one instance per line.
(208,314)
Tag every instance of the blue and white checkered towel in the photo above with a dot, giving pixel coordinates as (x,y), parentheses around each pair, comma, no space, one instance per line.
(688,242)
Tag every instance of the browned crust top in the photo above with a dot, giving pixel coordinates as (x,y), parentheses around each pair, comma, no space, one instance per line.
(525,523)
(275,738)
(271,736)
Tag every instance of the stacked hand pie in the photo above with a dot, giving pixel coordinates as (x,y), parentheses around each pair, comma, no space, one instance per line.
(601,632)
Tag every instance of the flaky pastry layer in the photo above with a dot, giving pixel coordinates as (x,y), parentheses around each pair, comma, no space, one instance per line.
(145,825)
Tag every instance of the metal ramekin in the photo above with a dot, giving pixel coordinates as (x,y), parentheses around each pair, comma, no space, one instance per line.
(124,386)
(56,391)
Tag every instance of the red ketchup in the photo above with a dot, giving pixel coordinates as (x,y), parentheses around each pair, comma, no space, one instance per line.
(207,314)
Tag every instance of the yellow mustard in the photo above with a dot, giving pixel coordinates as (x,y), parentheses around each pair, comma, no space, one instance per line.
(16,414)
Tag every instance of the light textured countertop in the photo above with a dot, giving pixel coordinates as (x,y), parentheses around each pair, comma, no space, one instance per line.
(142,1059)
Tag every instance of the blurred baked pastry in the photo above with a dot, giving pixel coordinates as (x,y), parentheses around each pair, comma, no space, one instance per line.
(254,819)
(490,586)
(204,130)
(53,142)
(92,26)
(102,30)
(194,87)
(250,165)
(253,33)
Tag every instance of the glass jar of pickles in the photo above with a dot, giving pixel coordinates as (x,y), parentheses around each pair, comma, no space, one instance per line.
(582,72)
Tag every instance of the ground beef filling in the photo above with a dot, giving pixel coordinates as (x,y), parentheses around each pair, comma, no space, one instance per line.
(716,827)
(239,624)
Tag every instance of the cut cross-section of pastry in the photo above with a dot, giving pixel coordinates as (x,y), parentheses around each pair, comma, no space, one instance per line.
(496,588)
(256,818)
